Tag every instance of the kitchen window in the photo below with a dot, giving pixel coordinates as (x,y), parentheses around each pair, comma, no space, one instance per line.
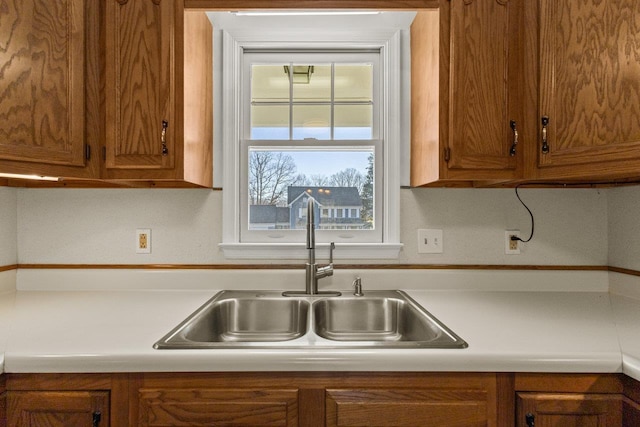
(316,117)
(310,129)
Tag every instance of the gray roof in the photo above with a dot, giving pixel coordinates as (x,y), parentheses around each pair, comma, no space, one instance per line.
(268,214)
(327,196)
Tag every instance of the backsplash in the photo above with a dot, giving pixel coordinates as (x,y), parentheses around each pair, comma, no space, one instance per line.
(97,226)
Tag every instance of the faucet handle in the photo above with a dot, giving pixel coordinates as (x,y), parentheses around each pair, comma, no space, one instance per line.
(332,246)
(357,287)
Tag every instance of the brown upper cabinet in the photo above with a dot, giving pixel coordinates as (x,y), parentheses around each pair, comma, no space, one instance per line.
(158,92)
(567,73)
(140,84)
(48,95)
(119,91)
(502,90)
(480,93)
(589,89)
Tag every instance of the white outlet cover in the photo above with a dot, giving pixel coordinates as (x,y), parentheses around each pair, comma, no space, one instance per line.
(139,232)
(430,241)
(507,238)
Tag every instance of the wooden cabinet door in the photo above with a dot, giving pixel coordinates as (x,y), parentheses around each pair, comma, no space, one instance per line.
(568,410)
(140,80)
(407,407)
(52,409)
(42,48)
(486,86)
(589,87)
(228,407)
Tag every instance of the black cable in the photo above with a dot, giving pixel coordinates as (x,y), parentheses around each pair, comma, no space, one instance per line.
(530,214)
(564,184)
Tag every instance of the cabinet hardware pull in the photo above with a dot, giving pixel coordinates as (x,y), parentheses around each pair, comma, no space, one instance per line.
(512,151)
(545,144)
(97,417)
(530,419)
(165,125)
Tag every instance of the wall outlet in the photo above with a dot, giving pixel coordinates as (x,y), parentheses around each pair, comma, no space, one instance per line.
(511,247)
(430,241)
(143,241)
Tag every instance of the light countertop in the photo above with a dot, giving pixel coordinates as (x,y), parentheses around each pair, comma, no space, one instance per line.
(114,331)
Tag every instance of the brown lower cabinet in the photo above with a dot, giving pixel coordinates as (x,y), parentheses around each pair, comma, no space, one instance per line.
(569,409)
(327,399)
(58,408)
(322,399)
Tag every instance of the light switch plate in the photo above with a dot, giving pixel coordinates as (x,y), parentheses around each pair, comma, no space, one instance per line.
(430,241)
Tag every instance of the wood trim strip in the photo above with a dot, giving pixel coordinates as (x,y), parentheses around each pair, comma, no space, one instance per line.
(8,267)
(301,266)
(624,271)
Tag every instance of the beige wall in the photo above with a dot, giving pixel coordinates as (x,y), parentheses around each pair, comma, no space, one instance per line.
(624,227)
(8,226)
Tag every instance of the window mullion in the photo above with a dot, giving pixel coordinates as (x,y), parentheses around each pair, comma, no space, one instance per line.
(333,89)
(290,101)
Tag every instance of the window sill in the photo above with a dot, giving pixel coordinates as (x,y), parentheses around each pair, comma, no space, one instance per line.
(299,251)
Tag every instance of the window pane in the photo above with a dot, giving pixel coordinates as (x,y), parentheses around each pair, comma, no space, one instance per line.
(354,82)
(311,83)
(312,121)
(269,83)
(281,182)
(269,122)
(353,122)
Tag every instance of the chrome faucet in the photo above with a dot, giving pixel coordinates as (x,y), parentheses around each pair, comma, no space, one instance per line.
(313,271)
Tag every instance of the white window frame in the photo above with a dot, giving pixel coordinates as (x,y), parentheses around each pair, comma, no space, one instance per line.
(388,42)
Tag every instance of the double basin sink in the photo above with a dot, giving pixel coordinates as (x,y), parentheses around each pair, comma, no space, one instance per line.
(253,319)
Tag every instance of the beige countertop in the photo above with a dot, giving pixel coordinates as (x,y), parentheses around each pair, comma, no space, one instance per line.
(513,321)
(114,331)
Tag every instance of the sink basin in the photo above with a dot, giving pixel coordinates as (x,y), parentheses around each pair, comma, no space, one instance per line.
(232,318)
(384,318)
(252,319)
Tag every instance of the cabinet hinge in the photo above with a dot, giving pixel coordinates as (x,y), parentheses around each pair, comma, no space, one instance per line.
(87,152)
(104,154)
(447,154)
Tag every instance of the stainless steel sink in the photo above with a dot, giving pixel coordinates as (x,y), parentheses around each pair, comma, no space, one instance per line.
(379,319)
(238,319)
(382,318)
